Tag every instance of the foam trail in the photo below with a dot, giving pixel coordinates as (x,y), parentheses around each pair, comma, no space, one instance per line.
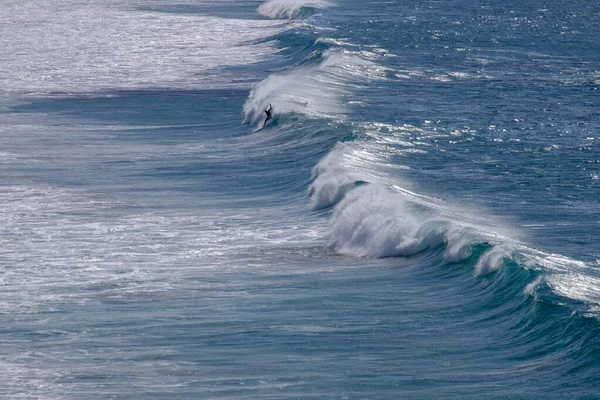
(289,9)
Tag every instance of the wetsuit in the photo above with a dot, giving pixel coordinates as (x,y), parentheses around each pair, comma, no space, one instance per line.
(269,116)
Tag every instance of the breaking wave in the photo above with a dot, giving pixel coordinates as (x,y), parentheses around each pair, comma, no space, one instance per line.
(290,9)
(371,211)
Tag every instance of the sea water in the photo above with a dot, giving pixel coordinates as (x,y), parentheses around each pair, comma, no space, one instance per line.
(419,220)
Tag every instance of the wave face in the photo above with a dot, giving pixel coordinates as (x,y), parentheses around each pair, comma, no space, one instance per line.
(419,219)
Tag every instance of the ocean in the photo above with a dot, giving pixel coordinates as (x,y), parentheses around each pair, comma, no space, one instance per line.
(419,219)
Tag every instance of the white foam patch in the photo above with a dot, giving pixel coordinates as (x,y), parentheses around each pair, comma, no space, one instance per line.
(24,376)
(383,219)
(289,9)
(340,173)
(73,46)
(60,245)
(301,90)
(328,189)
(374,221)
(375,160)
(577,286)
(568,277)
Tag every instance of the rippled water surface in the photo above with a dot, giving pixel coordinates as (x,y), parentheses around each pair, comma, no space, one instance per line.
(419,219)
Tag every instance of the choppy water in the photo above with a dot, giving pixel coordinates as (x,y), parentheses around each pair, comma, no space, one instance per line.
(419,220)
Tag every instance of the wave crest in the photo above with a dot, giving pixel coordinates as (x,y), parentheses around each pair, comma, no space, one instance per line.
(289,9)
(308,90)
(491,261)
(368,222)
(332,179)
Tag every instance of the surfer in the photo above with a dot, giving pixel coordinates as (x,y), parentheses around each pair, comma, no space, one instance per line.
(269,116)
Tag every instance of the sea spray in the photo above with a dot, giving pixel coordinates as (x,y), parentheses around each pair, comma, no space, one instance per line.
(302,90)
(320,88)
(491,261)
(290,9)
(460,240)
(332,178)
(370,222)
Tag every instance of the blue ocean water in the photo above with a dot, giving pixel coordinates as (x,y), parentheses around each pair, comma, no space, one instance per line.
(419,220)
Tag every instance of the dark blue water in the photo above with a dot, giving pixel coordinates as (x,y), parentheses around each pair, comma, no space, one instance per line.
(419,219)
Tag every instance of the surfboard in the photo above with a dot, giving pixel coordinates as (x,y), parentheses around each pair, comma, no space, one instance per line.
(265,124)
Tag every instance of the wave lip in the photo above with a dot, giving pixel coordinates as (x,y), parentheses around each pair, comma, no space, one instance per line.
(491,261)
(332,179)
(370,223)
(328,189)
(290,9)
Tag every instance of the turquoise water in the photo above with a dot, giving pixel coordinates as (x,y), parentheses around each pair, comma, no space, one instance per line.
(419,220)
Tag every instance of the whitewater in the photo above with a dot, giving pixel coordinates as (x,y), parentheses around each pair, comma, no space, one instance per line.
(419,219)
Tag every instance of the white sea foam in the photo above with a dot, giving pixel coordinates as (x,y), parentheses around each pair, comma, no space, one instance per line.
(70,46)
(384,218)
(568,277)
(289,9)
(361,66)
(370,160)
(374,221)
(62,245)
(577,285)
